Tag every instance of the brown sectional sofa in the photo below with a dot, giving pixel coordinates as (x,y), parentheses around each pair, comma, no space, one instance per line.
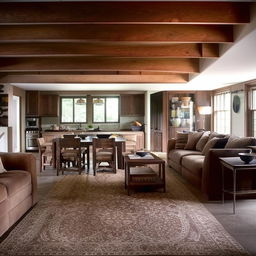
(18,187)
(202,168)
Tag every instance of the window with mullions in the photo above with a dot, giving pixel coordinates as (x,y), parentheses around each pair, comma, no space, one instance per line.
(222,106)
(73,110)
(253,109)
(105,109)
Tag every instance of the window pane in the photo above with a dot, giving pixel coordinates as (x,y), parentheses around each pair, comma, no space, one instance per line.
(99,110)
(222,112)
(80,111)
(254,99)
(66,110)
(112,109)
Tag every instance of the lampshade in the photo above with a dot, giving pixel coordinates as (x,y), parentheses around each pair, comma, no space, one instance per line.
(80,101)
(98,101)
(204,110)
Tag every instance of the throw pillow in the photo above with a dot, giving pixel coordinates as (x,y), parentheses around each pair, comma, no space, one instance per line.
(236,142)
(181,140)
(216,135)
(2,170)
(193,138)
(210,144)
(202,142)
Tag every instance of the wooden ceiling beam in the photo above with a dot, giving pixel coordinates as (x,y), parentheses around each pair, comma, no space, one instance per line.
(191,50)
(163,78)
(178,65)
(124,12)
(117,33)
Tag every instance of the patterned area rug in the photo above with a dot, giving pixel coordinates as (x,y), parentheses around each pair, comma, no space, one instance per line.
(87,215)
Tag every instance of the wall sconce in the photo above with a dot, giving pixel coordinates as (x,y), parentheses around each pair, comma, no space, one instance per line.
(204,110)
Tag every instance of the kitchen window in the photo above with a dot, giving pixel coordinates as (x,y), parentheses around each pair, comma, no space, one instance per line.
(105,109)
(222,106)
(73,110)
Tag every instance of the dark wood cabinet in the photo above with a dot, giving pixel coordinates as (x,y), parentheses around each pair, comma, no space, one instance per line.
(49,105)
(132,104)
(159,121)
(38,104)
(32,103)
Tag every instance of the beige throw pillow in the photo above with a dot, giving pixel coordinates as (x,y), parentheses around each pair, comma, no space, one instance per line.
(2,170)
(210,144)
(193,138)
(236,142)
(202,142)
(181,140)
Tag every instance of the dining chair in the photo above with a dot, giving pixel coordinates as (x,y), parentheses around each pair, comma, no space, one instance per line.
(104,150)
(84,152)
(69,155)
(45,153)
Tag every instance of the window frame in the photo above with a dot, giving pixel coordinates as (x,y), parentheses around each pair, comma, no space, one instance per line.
(216,110)
(252,111)
(73,97)
(105,109)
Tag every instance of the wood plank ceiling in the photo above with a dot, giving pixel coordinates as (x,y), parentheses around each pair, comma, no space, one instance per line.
(113,42)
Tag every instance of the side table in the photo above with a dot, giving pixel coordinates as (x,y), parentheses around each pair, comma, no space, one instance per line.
(235,164)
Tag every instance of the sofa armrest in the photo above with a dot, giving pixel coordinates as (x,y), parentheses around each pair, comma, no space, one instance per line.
(211,176)
(171,144)
(22,161)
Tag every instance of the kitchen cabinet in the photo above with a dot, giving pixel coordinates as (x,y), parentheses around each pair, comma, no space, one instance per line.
(32,103)
(38,104)
(49,105)
(132,104)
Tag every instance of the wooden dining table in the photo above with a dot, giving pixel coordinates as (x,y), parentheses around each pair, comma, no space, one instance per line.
(87,143)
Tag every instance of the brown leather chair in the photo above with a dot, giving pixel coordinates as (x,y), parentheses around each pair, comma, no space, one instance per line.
(45,153)
(104,150)
(69,155)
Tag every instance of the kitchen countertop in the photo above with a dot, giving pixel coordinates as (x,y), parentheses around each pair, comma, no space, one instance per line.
(91,132)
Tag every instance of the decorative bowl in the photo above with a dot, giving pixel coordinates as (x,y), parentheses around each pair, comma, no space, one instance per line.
(141,153)
(247,157)
(103,136)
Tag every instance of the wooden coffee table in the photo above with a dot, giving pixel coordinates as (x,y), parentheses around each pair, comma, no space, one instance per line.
(139,174)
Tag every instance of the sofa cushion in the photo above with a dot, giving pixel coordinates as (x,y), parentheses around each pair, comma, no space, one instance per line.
(193,138)
(181,140)
(177,154)
(194,163)
(14,181)
(3,192)
(1,166)
(202,142)
(236,142)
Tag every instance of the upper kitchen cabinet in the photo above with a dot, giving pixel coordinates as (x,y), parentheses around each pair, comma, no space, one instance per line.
(38,104)
(32,103)
(132,105)
(49,105)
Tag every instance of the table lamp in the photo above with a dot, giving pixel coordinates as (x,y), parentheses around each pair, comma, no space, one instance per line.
(204,110)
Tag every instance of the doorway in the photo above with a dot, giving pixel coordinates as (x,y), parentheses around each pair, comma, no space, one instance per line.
(16,124)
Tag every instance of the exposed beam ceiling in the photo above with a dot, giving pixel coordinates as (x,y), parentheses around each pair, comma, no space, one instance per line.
(108,38)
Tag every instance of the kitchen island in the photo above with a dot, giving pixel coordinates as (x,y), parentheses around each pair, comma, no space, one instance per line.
(131,136)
